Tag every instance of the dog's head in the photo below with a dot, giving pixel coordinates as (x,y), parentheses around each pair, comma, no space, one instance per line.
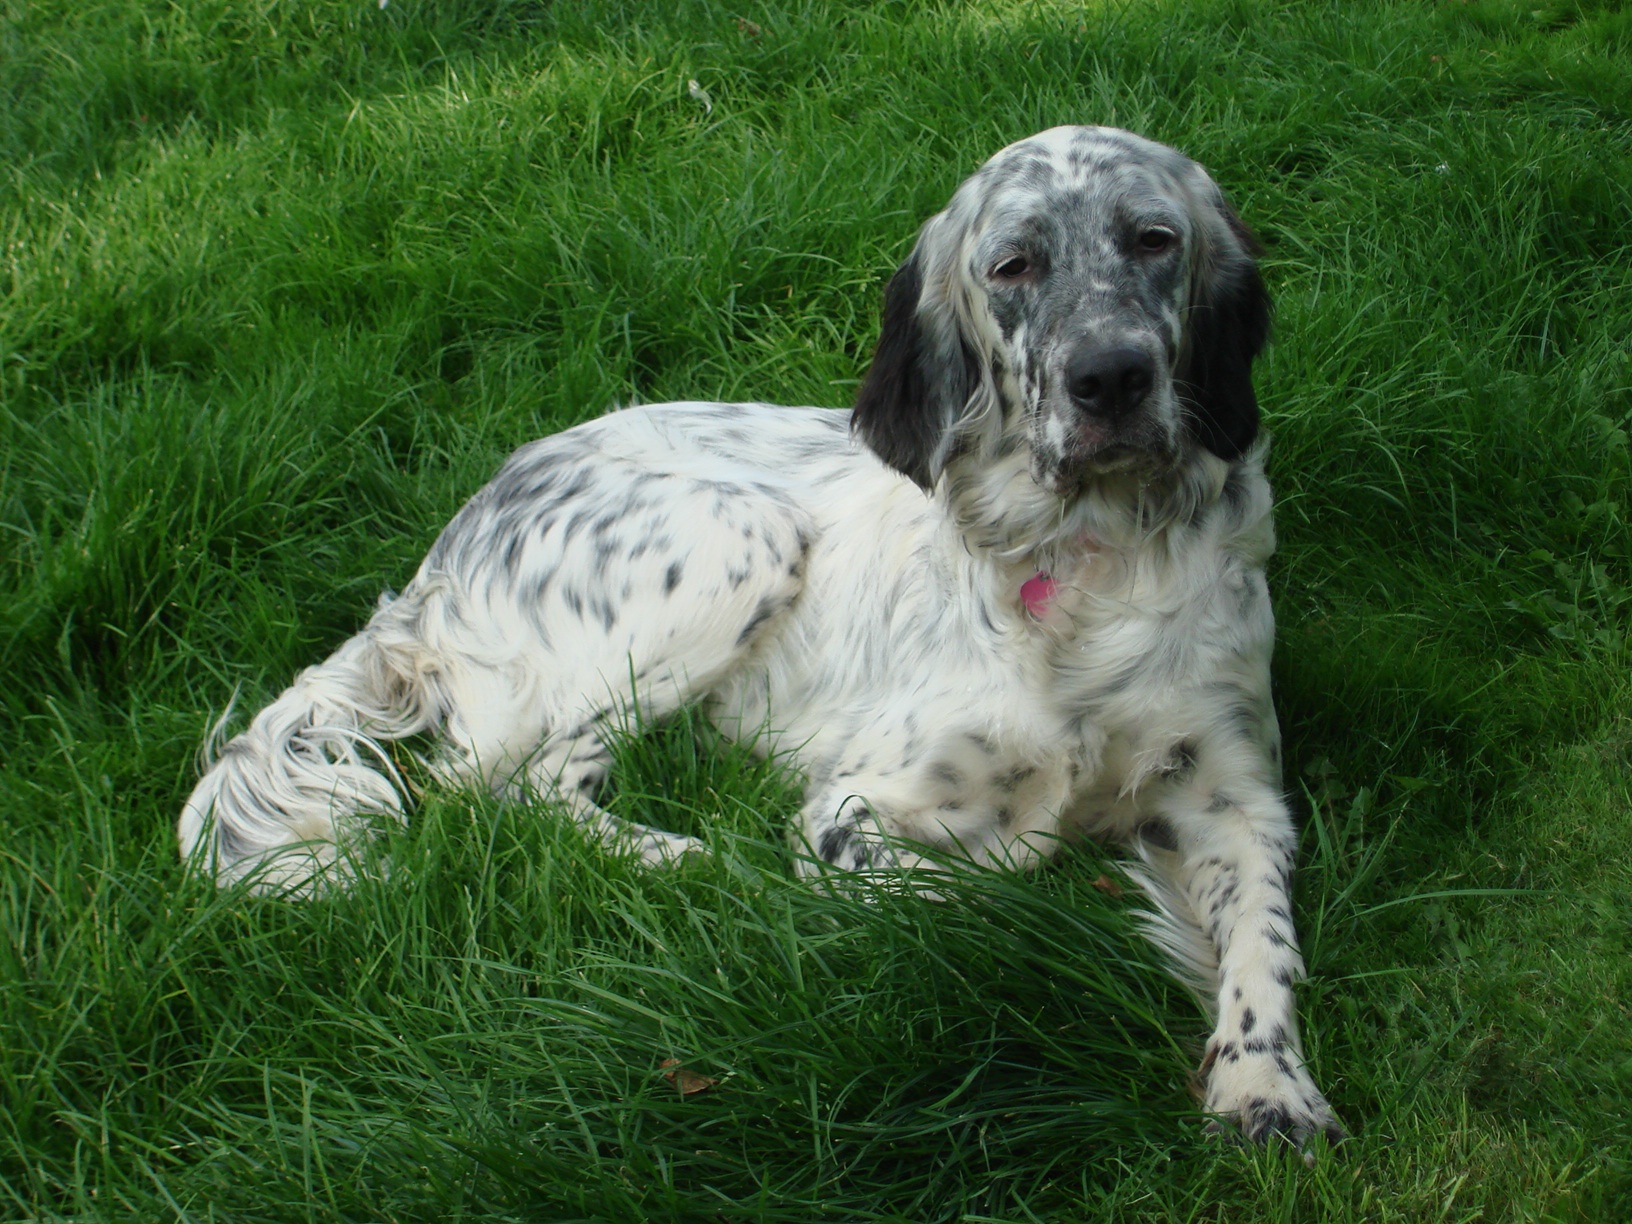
(1087,295)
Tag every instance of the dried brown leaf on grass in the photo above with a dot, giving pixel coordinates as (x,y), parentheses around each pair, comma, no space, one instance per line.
(687,1083)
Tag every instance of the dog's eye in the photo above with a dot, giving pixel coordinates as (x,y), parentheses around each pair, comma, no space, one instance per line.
(1157,239)
(1012,269)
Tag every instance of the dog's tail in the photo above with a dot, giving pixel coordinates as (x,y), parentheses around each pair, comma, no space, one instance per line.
(278,803)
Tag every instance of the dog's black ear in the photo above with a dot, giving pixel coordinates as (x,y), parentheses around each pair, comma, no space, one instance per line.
(919,383)
(1228,327)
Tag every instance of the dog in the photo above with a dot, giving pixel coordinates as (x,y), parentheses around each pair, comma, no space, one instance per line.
(1016,596)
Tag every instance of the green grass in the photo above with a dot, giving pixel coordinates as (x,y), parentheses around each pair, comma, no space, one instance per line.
(280,283)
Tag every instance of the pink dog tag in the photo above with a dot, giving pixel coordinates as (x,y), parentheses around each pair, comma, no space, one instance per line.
(1037,592)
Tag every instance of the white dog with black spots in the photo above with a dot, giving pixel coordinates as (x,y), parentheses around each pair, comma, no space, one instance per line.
(1015,596)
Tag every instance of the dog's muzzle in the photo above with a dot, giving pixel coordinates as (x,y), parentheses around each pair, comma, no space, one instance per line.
(1109,414)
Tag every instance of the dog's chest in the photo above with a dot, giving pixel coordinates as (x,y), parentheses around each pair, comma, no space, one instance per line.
(1120,625)
(977,703)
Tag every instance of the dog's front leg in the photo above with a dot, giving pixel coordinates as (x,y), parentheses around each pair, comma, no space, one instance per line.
(1232,868)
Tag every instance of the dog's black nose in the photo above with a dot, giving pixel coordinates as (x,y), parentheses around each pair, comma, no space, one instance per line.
(1109,383)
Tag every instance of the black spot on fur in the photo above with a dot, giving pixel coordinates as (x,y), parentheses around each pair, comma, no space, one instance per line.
(843,841)
(767,608)
(230,845)
(1263,1120)
(833,843)
(1181,763)
(671,577)
(1035,172)
(1272,1044)
(1245,718)
(594,750)
(1014,779)
(512,555)
(1008,312)
(1249,1020)
(1159,834)
(801,549)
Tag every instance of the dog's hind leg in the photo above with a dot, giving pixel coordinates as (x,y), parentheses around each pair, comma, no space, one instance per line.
(636,599)
(570,774)
(564,592)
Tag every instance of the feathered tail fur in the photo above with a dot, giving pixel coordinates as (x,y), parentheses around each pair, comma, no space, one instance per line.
(278,802)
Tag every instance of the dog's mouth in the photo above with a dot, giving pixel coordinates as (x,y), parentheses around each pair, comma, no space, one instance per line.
(1069,475)
(1072,449)
(1120,457)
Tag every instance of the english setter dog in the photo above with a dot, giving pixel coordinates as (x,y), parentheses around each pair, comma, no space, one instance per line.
(1016,596)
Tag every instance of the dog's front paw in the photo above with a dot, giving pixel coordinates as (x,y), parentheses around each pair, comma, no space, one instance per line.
(1265,1096)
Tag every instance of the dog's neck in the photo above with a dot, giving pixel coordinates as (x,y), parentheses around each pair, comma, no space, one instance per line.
(1001,511)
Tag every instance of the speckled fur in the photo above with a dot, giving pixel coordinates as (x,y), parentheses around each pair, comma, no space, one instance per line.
(846,589)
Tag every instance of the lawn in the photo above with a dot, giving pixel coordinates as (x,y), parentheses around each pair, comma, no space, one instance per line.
(282,282)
